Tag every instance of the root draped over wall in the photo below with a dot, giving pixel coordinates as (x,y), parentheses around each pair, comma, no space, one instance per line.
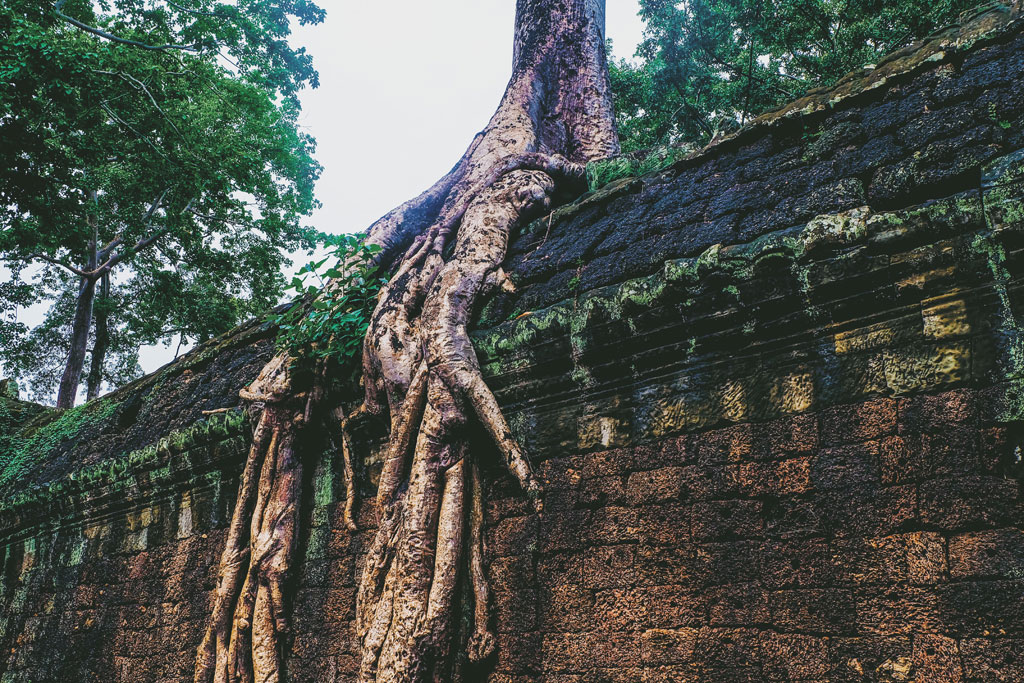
(445,250)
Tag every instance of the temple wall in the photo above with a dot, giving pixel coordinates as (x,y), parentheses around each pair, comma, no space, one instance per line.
(775,396)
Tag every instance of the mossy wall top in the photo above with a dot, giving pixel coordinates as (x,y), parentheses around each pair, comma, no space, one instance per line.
(918,126)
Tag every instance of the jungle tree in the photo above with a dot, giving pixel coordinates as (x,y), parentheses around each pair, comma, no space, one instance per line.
(154,148)
(444,251)
(709,66)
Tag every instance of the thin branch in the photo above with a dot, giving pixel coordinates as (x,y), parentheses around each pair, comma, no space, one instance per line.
(116,39)
(118,119)
(155,205)
(197,12)
(139,85)
(56,262)
(219,219)
(109,246)
(693,111)
(136,248)
(143,242)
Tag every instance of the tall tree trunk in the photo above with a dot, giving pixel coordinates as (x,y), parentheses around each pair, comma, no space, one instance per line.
(101,341)
(445,249)
(72,376)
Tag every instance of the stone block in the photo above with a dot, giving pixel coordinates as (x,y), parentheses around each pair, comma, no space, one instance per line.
(662,646)
(987,554)
(858,422)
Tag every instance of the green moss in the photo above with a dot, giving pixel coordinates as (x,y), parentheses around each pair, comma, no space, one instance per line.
(218,433)
(24,451)
(729,269)
(993,114)
(1004,216)
(994,252)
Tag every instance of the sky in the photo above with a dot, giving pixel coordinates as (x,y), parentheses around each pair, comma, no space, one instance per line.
(404,87)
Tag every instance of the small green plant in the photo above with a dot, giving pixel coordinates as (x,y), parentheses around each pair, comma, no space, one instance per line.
(336,303)
(811,134)
(993,113)
(574,281)
(600,173)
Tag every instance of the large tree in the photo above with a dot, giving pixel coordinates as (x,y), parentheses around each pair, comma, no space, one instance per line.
(150,150)
(708,66)
(444,251)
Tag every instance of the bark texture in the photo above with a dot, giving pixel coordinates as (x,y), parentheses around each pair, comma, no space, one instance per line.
(243,641)
(445,249)
(94,381)
(72,376)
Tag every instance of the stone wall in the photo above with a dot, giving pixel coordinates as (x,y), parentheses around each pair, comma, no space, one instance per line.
(774,395)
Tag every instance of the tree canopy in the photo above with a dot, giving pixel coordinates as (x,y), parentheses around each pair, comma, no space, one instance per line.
(156,143)
(708,66)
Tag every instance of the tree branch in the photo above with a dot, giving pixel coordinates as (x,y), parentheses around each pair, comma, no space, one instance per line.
(139,85)
(109,246)
(111,37)
(144,242)
(217,219)
(118,119)
(56,262)
(197,12)
(136,248)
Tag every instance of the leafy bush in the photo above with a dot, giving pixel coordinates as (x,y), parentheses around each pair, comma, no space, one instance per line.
(337,301)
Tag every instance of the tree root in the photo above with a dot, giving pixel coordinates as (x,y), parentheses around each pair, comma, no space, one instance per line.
(420,366)
(430,485)
(420,370)
(243,641)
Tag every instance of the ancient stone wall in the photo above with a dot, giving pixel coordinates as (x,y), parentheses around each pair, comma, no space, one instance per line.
(774,395)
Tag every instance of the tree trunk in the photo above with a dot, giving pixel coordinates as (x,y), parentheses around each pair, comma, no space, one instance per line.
(72,376)
(101,343)
(445,249)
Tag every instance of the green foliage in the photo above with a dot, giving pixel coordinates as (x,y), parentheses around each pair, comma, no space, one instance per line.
(187,168)
(338,299)
(604,171)
(22,452)
(993,113)
(709,66)
(574,281)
